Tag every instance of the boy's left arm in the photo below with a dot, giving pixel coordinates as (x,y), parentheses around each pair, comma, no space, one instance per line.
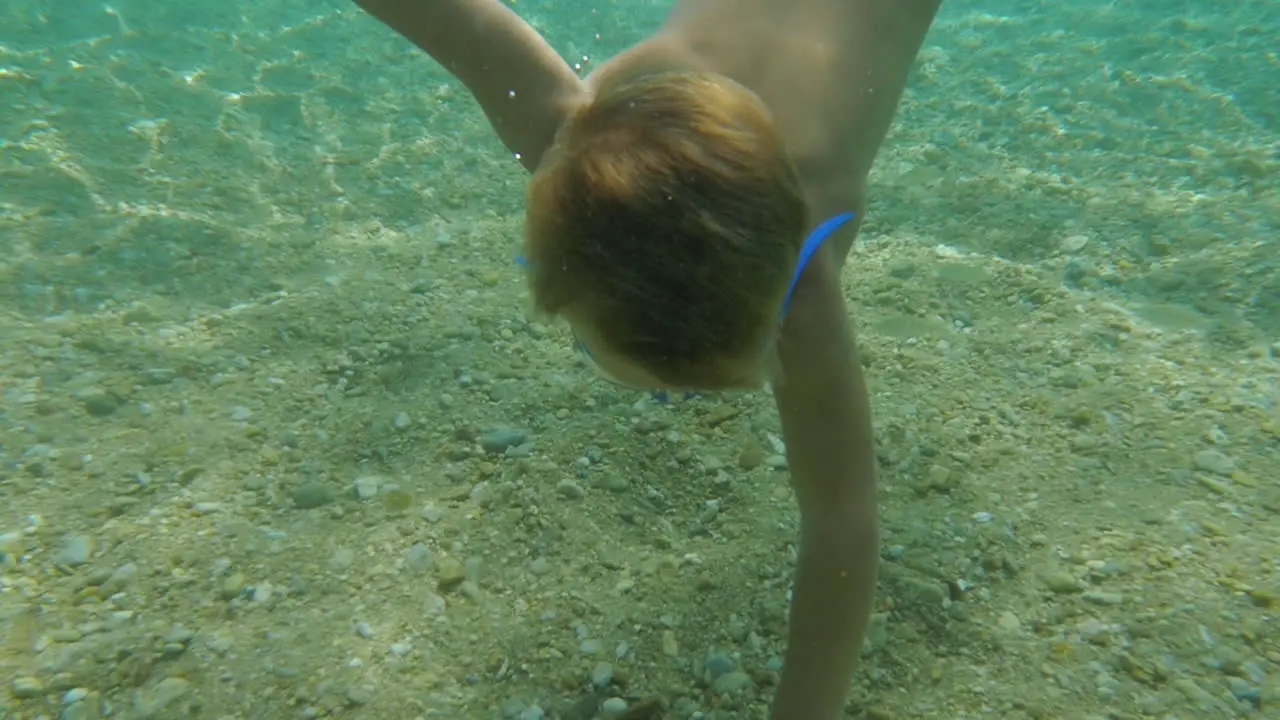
(826,422)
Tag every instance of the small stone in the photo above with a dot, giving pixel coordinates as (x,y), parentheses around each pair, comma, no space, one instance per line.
(1008,622)
(179,635)
(1062,583)
(1213,484)
(570,490)
(718,664)
(165,693)
(449,573)
(924,593)
(751,456)
(670,647)
(420,557)
(877,634)
(26,688)
(602,675)
(367,487)
(1102,597)
(613,707)
(1074,243)
(99,403)
(262,592)
(360,695)
(77,551)
(311,495)
(611,481)
(499,441)
(79,711)
(402,421)
(730,683)
(75,695)
(540,566)
(1212,461)
(119,579)
(231,586)
(342,559)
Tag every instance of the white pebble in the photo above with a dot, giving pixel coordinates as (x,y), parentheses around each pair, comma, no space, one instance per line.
(367,487)
(613,707)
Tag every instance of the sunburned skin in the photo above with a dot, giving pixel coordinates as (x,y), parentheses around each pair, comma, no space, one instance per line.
(831,73)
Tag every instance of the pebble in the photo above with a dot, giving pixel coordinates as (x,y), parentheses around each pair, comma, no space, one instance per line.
(152,704)
(732,682)
(613,707)
(80,711)
(77,551)
(367,487)
(718,664)
(74,695)
(231,586)
(1102,597)
(877,633)
(26,688)
(611,481)
(420,557)
(570,490)
(310,495)
(360,695)
(120,578)
(602,675)
(670,647)
(499,441)
(449,573)
(1062,582)
(1008,622)
(99,403)
(435,606)
(262,592)
(342,559)
(1074,243)
(1212,461)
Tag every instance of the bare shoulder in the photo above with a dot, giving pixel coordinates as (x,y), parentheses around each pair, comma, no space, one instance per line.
(831,71)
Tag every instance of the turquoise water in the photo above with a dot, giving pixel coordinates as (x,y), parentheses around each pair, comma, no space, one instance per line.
(260,333)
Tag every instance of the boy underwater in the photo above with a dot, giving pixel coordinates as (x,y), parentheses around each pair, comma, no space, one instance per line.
(691,204)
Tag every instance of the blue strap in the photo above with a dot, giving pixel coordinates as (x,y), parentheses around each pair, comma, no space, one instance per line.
(810,248)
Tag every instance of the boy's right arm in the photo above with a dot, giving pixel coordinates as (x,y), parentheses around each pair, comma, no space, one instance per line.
(524,87)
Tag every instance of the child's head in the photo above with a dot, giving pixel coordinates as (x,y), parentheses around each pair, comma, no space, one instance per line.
(665,225)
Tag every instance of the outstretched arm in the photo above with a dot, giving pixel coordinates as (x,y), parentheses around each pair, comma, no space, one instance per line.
(823,400)
(523,86)
(826,421)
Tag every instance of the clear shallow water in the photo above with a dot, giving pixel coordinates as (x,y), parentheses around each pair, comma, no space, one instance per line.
(253,255)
